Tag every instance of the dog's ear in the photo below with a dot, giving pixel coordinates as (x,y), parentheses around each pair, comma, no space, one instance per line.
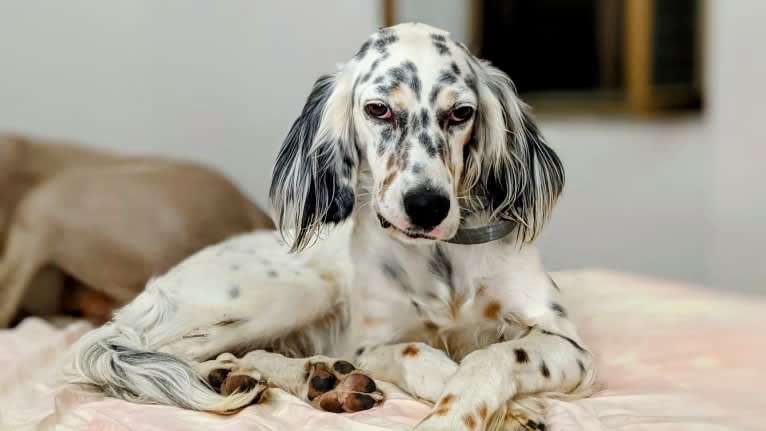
(512,169)
(313,179)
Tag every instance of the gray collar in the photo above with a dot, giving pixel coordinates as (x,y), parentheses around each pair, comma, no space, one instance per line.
(482,234)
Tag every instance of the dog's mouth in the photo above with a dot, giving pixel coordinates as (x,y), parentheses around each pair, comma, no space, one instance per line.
(410,233)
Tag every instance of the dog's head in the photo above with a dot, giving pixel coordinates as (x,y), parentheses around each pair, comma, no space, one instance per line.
(437,134)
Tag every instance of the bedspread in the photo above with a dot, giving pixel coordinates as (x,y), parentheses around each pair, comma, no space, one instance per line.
(669,356)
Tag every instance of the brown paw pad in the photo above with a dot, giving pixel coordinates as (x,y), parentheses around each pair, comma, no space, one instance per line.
(239,383)
(216,378)
(341,388)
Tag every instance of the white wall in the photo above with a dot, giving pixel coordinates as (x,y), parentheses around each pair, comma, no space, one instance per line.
(219,82)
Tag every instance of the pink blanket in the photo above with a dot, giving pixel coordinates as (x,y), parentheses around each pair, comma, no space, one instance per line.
(671,357)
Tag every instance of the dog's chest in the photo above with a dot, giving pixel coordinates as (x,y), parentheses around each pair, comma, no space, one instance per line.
(433,295)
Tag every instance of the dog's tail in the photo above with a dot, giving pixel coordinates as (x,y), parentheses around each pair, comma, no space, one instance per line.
(112,360)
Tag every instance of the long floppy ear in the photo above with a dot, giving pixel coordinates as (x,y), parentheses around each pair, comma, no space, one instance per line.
(313,178)
(514,172)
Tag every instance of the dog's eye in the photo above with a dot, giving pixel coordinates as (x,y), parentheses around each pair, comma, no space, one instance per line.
(460,114)
(377,110)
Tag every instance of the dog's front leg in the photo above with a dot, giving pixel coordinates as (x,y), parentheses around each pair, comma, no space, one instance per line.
(543,361)
(329,384)
(417,368)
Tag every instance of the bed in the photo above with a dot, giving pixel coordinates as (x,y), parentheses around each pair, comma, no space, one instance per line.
(670,357)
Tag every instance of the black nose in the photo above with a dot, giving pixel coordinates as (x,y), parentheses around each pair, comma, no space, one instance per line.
(426,207)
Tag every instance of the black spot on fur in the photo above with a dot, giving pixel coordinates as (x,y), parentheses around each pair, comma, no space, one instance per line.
(581,366)
(363,50)
(397,74)
(521,356)
(415,124)
(394,271)
(374,65)
(438,37)
(571,341)
(417,168)
(359,352)
(441,145)
(424,118)
(441,266)
(544,370)
(455,69)
(417,307)
(415,85)
(434,93)
(447,77)
(470,82)
(559,309)
(426,141)
(234,292)
(410,66)
(385,39)
(347,166)
(442,48)
(378,79)
(272,274)
(341,207)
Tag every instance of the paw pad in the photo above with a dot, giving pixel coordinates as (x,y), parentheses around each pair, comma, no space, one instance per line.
(340,387)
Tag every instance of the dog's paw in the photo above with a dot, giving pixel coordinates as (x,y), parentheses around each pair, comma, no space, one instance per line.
(339,387)
(225,377)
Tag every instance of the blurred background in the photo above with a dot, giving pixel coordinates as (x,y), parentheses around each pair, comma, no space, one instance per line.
(655,106)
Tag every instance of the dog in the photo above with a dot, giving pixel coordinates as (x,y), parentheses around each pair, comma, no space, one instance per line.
(108,222)
(408,193)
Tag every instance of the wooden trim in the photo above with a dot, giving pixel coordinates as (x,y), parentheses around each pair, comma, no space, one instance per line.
(608,44)
(475,26)
(389,13)
(638,54)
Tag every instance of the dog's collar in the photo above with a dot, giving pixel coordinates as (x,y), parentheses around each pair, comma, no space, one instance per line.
(482,234)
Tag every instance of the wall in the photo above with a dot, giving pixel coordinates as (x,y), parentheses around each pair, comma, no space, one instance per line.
(219,82)
(222,82)
(737,84)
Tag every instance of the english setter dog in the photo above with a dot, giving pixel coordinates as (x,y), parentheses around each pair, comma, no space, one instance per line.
(411,188)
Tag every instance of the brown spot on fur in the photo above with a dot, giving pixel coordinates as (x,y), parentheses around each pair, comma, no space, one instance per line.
(483,410)
(373,321)
(442,407)
(469,421)
(431,326)
(326,276)
(456,303)
(410,350)
(228,322)
(389,163)
(468,134)
(492,310)
(194,336)
(387,183)
(481,291)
